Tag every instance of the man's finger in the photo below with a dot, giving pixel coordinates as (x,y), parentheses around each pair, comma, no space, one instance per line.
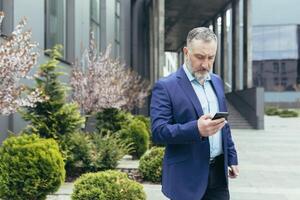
(206,116)
(217,121)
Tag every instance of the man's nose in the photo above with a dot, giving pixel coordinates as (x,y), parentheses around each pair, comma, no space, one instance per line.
(205,64)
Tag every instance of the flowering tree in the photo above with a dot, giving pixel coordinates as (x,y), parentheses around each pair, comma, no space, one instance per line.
(17,58)
(100,82)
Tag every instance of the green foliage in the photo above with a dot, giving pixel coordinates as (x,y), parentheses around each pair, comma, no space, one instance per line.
(52,117)
(271,111)
(30,168)
(288,113)
(282,113)
(92,152)
(134,129)
(77,148)
(150,164)
(136,133)
(111,119)
(108,150)
(146,120)
(147,123)
(107,185)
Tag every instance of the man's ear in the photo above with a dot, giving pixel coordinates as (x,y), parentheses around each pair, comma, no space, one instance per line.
(185,50)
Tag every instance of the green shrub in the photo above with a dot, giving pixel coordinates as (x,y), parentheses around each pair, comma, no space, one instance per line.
(53,117)
(108,150)
(107,185)
(92,152)
(136,133)
(147,123)
(77,150)
(111,119)
(30,168)
(288,113)
(271,111)
(150,164)
(144,119)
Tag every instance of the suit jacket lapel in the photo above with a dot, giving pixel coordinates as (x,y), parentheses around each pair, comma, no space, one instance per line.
(188,89)
(218,91)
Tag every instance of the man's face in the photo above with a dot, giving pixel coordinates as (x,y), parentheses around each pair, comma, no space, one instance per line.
(199,58)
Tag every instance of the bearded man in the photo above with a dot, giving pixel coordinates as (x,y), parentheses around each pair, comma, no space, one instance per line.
(200,153)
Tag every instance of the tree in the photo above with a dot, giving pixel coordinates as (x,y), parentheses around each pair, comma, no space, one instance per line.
(100,82)
(53,117)
(17,58)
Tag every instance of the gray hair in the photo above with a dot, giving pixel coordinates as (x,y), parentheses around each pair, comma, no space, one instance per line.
(201,33)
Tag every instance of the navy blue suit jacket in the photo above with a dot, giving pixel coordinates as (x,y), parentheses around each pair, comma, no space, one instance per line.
(174,112)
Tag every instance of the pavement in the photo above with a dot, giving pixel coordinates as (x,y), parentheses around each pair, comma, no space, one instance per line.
(269,162)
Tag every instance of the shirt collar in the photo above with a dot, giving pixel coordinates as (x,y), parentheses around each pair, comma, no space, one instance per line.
(191,77)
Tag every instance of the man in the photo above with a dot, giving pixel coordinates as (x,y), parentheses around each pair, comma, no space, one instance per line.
(200,153)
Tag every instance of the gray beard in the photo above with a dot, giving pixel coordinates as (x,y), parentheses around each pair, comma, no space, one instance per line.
(197,75)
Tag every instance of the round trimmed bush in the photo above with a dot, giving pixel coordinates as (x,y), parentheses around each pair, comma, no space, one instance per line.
(136,133)
(107,185)
(30,168)
(150,164)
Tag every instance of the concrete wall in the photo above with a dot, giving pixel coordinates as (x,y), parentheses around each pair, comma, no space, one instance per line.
(250,103)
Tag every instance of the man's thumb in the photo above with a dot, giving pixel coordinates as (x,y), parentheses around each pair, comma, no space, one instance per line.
(207,116)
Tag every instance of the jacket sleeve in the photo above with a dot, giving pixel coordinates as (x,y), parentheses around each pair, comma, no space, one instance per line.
(164,130)
(232,154)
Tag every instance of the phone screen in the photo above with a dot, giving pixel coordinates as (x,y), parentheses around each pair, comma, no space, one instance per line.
(219,115)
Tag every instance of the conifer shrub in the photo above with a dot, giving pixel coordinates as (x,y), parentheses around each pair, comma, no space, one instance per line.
(30,168)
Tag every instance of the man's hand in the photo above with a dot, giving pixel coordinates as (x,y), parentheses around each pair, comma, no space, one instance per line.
(233,171)
(208,127)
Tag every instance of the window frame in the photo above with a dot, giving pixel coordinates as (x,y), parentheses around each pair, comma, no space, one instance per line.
(47,23)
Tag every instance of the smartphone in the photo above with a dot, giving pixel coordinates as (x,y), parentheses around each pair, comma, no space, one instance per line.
(219,115)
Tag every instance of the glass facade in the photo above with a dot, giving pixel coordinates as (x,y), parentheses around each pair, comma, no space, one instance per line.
(275,57)
(275,42)
(95,20)
(55,24)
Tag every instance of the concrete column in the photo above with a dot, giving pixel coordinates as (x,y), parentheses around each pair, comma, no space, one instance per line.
(247,46)
(157,37)
(125,28)
(216,68)
(151,44)
(224,47)
(235,44)
(161,39)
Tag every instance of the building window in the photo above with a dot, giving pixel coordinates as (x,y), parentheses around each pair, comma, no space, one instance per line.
(55,24)
(275,67)
(276,81)
(95,20)
(261,67)
(284,81)
(117,29)
(283,68)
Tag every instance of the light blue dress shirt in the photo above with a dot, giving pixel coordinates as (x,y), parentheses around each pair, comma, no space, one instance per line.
(210,105)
